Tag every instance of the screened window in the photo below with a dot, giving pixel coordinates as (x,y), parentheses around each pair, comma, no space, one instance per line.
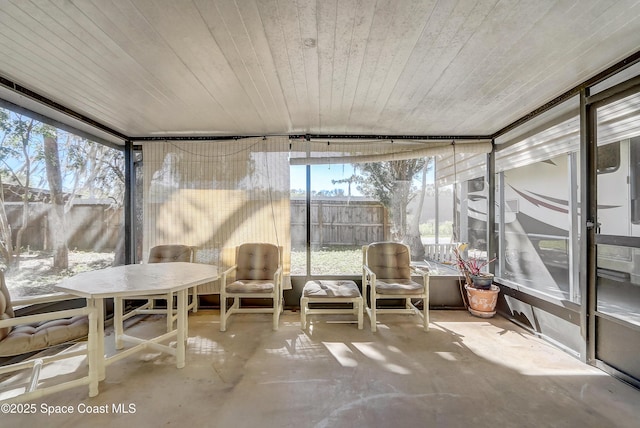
(608,158)
(634,179)
(62,210)
(618,275)
(368,191)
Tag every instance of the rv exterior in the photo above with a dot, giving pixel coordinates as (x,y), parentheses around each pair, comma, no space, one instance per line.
(540,219)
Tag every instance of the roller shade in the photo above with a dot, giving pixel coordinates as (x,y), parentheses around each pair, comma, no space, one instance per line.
(391,152)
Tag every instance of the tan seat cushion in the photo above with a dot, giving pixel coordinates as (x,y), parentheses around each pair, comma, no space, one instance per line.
(250,286)
(257,261)
(28,338)
(170,253)
(389,260)
(398,286)
(325,288)
(35,337)
(6,309)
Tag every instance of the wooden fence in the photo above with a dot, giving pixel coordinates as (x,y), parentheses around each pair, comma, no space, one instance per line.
(90,226)
(339,222)
(335,222)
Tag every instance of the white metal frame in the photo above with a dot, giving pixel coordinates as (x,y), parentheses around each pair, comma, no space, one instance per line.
(235,308)
(369,279)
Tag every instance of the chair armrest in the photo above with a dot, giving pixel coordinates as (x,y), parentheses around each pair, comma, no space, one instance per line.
(223,277)
(366,270)
(423,273)
(277,279)
(419,270)
(277,276)
(367,273)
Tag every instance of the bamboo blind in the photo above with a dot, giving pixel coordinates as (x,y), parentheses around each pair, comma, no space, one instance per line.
(215,195)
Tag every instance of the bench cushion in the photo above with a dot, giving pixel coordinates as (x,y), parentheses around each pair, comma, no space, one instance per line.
(35,337)
(330,289)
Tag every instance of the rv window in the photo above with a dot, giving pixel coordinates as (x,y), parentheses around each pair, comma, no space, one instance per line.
(475,185)
(609,158)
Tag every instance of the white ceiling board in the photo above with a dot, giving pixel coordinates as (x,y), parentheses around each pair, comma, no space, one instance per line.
(267,67)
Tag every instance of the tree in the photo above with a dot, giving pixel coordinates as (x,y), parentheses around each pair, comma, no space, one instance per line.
(414,225)
(392,183)
(35,156)
(349,181)
(6,238)
(20,160)
(57,213)
(95,170)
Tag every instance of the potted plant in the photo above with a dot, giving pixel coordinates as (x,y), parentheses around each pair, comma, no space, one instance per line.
(482,295)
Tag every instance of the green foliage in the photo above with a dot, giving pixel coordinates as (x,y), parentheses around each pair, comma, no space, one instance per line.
(379,179)
(338,261)
(87,167)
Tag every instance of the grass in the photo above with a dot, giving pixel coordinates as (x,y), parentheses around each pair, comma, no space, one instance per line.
(35,274)
(328,262)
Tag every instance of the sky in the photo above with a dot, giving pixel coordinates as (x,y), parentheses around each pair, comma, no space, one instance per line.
(321,176)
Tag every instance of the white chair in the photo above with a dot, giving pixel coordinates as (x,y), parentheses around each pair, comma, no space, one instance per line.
(25,335)
(258,274)
(166,254)
(386,274)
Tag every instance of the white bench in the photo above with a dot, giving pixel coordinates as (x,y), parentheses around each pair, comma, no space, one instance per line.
(324,291)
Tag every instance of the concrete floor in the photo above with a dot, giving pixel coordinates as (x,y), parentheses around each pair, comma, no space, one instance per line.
(465,372)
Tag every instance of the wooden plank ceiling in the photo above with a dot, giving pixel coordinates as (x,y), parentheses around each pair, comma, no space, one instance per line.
(260,67)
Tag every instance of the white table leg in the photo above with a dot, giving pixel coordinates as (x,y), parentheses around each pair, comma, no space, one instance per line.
(117,321)
(98,303)
(182,328)
(169,298)
(93,349)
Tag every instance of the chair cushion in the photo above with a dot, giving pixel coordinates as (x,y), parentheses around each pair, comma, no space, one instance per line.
(35,337)
(398,286)
(250,286)
(170,253)
(4,332)
(257,261)
(6,309)
(330,289)
(389,260)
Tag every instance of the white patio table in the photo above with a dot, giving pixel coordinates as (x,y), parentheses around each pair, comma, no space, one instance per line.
(120,282)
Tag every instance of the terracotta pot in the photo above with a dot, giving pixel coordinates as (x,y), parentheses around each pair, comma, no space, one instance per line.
(482,303)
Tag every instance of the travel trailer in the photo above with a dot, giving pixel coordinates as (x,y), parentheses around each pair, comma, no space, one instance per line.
(538,221)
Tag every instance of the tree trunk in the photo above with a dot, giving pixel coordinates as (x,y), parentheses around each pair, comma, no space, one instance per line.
(399,201)
(57,216)
(25,194)
(6,248)
(413,234)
